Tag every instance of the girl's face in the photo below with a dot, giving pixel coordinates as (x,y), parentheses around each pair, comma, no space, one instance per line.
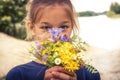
(52,17)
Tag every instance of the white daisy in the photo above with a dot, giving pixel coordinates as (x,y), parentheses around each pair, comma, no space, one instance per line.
(57,61)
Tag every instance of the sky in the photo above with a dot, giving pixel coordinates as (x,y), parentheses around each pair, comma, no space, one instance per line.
(93,5)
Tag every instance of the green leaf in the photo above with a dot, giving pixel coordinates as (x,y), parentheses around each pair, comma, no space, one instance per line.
(91,69)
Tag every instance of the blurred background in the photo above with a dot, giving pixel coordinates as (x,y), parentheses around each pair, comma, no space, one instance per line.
(99,27)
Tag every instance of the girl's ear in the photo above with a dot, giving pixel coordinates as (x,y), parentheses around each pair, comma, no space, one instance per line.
(31,27)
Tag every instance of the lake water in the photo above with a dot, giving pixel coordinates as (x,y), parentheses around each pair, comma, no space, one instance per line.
(100,31)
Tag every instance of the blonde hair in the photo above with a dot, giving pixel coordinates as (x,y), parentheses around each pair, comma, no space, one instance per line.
(34,6)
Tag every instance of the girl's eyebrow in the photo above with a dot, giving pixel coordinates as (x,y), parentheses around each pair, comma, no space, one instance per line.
(45,23)
(63,22)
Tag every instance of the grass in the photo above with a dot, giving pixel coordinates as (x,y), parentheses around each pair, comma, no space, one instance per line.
(2,78)
(112,14)
(115,16)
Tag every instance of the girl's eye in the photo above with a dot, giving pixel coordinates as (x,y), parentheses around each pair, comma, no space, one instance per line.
(64,27)
(45,27)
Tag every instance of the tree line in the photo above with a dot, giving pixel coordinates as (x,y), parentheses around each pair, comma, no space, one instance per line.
(114,10)
(12,12)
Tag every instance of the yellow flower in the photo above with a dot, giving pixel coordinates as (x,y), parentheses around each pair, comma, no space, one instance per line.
(31,50)
(55,54)
(71,66)
(67,45)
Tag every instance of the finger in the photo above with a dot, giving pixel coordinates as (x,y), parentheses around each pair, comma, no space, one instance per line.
(48,75)
(57,69)
(61,69)
(69,73)
(62,76)
(52,79)
(48,72)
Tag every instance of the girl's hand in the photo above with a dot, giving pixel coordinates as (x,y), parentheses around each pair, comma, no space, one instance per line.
(59,73)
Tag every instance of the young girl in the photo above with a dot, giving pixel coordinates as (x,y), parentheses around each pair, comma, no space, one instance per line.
(41,16)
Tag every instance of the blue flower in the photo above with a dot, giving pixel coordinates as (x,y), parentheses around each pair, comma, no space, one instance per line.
(54,32)
(64,38)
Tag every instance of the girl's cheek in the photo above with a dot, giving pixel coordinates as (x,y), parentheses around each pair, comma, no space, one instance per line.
(42,35)
(67,32)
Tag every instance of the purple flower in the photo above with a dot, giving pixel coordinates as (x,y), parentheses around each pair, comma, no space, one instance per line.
(36,53)
(38,46)
(55,39)
(44,58)
(64,38)
(54,32)
(42,47)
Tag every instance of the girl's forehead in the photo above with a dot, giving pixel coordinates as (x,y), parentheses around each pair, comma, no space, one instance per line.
(54,8)
(53,13)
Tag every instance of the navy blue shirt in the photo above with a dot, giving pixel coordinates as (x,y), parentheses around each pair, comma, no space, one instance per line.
(36,71)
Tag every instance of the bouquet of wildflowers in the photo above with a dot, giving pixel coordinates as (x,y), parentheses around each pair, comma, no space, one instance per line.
(60,50)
